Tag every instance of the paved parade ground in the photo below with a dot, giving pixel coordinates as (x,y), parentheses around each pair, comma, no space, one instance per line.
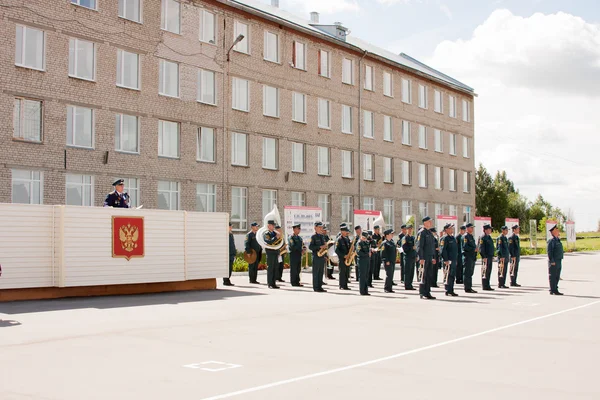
(249,342)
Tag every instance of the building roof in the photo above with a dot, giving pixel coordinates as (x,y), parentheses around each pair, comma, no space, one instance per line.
(403,60)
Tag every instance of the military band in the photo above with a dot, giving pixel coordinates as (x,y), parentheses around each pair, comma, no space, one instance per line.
(364,261)
(459,260)
(252,247)
(486,249)
(376,241)
(399,244)
(318,246)
(357,236)
(296,248)
(514,248)
(342,249)
(388,256)
(469,252)
(427,258)
(410,255)
(270,236)
(503,257)
(449,249)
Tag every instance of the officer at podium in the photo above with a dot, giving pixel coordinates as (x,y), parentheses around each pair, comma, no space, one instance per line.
(117,198)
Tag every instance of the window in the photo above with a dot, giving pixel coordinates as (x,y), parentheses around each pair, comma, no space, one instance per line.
(324,204)
(131,10)
(271,101)
(208,27)
(127,133)
(239,149)
(80,190)
(439,177)
(27,120)
(170,18)
(388,170)
(27,187)
(168,195)
(82,59)
(80,126)
(239,28)
(452,210)
(452,106)
(388,132)
(406,133)
(346,119)
(466,182)
(452,180)
(467,214)
(324,64)
(466,111)
(369,203)
(348,71)
(422,137)
(299,107)
(439,209)
(269,199)
(406,208)
(324,114)
(168,139)
(368,124)
(465,147)
(206,197)
(368,77)
(347,167)
(239,208)
(423,210)
(406,91)
(452,139)
(85,3)
(132,188)
(128,69)
(271,52)
(207,90)
(368,167)
(168,84)
(323,160)
(206,145)
(298,199)
(406,173)
(297,157)
(30,51)
(437,137)
(270,159)
(388,85)
(423,96)
(437,102)
(388,213)
(347,210)
(299,55)
(422,175)
(240,94)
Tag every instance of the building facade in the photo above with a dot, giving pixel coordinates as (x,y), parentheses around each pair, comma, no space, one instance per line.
(159,92)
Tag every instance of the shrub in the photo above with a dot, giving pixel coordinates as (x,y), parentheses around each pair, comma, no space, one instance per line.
(240,265)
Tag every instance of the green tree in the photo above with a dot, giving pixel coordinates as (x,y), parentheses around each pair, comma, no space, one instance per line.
(484,187)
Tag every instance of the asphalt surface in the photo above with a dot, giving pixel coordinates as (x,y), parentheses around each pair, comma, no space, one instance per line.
(249,342)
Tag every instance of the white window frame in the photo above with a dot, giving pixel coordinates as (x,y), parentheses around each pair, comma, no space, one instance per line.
(423,97)
(348,209)
(203,75)
(467,214)
(406,91)
(452,140)
(267,56)
(406,173)
(388,170)
(368,124)
(270,161)
(438,177)
(296,96)
(465,147)
(164,17)
(71,112)
(324,203)
(298,158)
(74,58)
(347,157)
(388,84)
(452,179)
(466,111)
(423,209)
(119,138)
(240,223)
(388,128)
(439,209)
(161,139)
(267,101)
(78,3)
(298,199)
(466,182)
(323,152)
(325,63)
(369,78)
(368,167)
(388,213)
(269,199)
(241,28)
(20,52)
(202,131)
(423,172)
(347,122)
(438,138)
(406,208)
(423,137)
(299,48)
(208,193)
(452,210)
(19,118)
(347,80)
(162,82)
(324,120)
(452,106)
(369,203)
(202,33)
(123,10)
(406,134)
(30,183)
(238,84)
(234,149)
(174,190)
(121,71)
(438,101)
(82,185)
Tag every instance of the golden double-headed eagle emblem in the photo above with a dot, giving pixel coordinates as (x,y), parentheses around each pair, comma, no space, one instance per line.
(129,235)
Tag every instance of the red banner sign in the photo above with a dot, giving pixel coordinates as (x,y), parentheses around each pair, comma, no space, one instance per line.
(127,237)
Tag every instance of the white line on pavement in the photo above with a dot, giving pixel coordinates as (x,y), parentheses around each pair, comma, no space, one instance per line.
(394,356)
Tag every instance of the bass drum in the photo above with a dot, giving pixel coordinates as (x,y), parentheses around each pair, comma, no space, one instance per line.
(333,257)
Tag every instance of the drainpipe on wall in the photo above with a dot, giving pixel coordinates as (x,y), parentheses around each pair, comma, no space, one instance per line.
(360,129)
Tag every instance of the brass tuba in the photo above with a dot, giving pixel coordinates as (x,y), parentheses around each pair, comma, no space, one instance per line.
(381,222)
(260,234)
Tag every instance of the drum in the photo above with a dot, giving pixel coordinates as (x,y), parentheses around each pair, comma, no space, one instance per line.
(333,257)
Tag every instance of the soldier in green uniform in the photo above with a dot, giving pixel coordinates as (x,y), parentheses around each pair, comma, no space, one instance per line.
(410,254)
(232,254)
(503,257)
(280,266)
(434,271)
(469,252)
(251,244)
(317,242)
(427,260)
(555,257)
(270,237)
(514,247)
(357,236)
(459,260)
(375,256)
(486,249)
(363,251)
(388,256)
(342,247)
(449,249)
(399,244)
(327,261)
(296,247)
(373,246)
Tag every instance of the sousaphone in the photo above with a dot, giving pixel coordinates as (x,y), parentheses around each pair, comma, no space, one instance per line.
(260,234)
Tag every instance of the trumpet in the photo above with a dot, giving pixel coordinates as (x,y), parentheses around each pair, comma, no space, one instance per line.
(483,267)
(512,266)
(446,272)
(501,266)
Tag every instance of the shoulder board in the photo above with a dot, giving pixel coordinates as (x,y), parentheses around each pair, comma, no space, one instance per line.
(481,241)
(418,236)
(510,241)
(465,240)
(442,242)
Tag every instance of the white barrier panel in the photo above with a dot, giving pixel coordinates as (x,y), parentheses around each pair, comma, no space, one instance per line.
(68,246)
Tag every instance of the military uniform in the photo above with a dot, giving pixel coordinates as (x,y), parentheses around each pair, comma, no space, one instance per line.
(295,245)
(402,261)
(469,252)
(375,257)
(342,248)
(449,249)
(555,257)
(363,251)
(316,241)
(272,258)
(459,260)
(373,247)
(116,199)
(355,241)
(232,254)
(329,269)
(434,271)
(486,249)
(426,250)
(503,259)
(410,254)
(514,248)
(388,255)
(252,244)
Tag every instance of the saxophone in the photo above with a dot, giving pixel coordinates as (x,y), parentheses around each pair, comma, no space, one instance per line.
(351,256)
(322,252)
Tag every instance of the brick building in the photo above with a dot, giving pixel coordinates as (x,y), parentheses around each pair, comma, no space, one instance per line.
(296,113)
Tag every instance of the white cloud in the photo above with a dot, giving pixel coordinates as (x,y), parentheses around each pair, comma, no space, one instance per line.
(444,8)
(392,2)
(537,112)
(321,6)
